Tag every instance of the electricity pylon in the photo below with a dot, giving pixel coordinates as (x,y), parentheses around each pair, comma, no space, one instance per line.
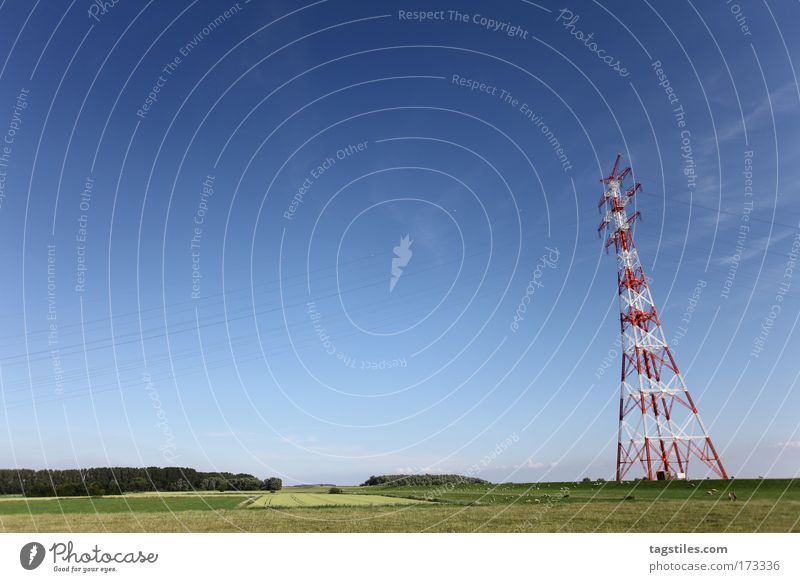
(659,426)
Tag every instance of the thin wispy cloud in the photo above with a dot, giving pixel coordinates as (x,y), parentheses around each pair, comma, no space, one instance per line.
(778,102)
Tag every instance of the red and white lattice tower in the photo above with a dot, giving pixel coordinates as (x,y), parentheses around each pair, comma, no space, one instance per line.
(659,426)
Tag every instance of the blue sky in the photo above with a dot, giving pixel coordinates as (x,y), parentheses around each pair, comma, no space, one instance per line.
(201,201)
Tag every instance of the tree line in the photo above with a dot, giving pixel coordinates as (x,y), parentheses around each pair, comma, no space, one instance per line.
(421,480)
(118,480)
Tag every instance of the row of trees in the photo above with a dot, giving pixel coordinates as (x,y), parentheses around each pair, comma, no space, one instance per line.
(421,480)
(117,480)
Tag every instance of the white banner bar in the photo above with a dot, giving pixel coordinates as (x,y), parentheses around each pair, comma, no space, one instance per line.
(388,557)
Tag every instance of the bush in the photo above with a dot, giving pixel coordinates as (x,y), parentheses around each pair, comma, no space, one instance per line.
(95,489)
(334,490)
(39,490)
(69,490)
(116,480)
(422,480)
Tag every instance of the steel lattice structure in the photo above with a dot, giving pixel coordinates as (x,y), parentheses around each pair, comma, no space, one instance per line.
(659,426)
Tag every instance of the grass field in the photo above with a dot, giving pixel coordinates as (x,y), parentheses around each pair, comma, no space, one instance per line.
(308,499)
(702,506)
(120,504)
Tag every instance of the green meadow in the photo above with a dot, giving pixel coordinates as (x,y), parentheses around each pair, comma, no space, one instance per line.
(312,499)
(771,505)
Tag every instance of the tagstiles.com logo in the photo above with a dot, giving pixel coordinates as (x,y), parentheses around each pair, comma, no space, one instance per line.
(66,559)
(402,256)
